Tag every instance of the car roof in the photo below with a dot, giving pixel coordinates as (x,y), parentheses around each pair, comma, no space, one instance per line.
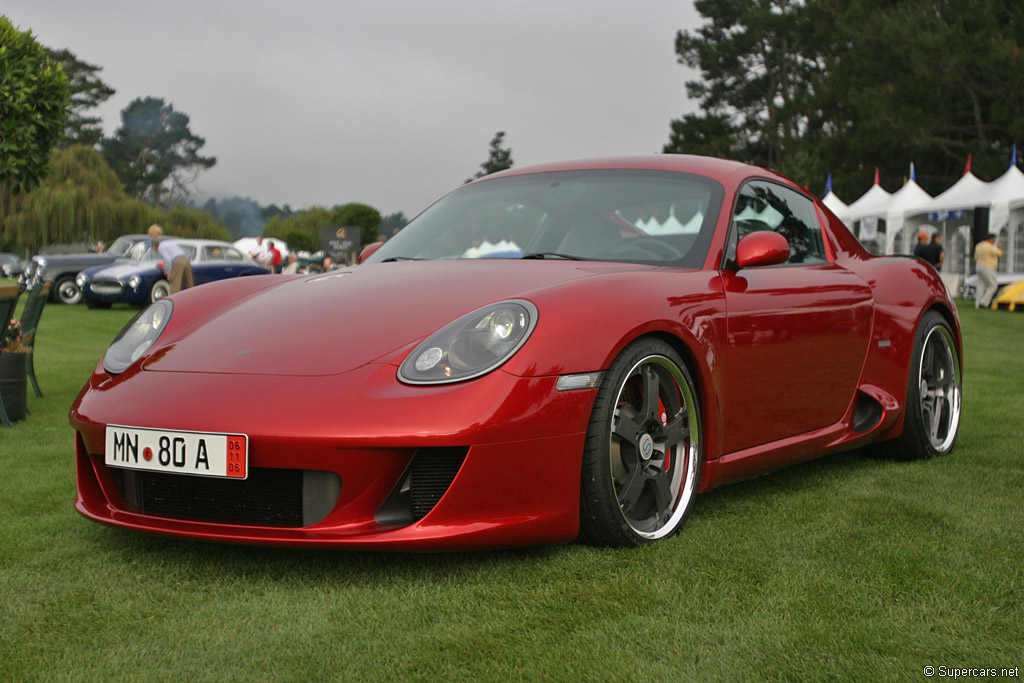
(720,169)
(201,242)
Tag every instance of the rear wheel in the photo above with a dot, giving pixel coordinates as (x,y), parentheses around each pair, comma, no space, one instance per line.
(641,463)
(932,419)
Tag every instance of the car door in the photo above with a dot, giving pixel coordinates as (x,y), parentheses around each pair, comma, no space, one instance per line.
(797,332)
(211,263)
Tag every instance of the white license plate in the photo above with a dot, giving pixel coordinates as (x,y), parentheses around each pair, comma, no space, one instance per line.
(205,454)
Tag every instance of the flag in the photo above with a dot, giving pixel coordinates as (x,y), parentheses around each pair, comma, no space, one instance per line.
(828,184)
(913,173)
(878,177)
(967,169)
(1013,161)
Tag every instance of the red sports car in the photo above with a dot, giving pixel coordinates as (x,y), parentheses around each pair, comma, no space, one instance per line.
(569,350)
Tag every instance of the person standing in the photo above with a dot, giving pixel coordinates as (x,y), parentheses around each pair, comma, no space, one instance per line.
(275,257)
(934,252)
(176,264)
(986,258)
(922,245)
(260,254)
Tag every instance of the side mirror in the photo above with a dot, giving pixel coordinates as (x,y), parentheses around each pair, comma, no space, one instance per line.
(368,250)
(762,248)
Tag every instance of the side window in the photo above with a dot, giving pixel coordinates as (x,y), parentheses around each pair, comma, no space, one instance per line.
(231,254)
(212,253)
(762,205)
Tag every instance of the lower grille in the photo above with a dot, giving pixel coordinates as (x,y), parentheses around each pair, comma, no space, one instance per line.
(106,286)
(268,497)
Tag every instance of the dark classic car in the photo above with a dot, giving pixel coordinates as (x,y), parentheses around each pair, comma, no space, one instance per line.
(565,351)
(140,279)
(61,269)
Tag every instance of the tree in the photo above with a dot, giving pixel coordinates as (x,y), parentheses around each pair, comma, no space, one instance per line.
(923,81)
(391,224)
(809,87)
(758,60)
(86,91)
(309,222)
(82,201)
(154,152)
(498,159)
(362,215)
(33,107)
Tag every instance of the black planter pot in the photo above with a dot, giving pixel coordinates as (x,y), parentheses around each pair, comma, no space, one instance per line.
(13,384)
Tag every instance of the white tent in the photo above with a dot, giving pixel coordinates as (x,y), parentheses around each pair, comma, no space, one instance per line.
(965,194)
(1006,217)
(874,202)
(907,198)
(837,205)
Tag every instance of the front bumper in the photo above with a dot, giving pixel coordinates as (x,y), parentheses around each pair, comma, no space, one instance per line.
(349,443)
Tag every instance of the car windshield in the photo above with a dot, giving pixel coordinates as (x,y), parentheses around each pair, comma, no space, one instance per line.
(627,216)
(8,260)
(121,246)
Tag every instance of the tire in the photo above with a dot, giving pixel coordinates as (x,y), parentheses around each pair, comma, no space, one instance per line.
(642,458)
(66,291)
(161,288)
(934,392)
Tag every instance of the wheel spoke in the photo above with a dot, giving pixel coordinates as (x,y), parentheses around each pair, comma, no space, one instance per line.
(675,432)
(626,428)
(660,487)
(649,410)
(631,489)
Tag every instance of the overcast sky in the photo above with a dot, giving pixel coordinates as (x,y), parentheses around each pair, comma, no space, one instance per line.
(387,102)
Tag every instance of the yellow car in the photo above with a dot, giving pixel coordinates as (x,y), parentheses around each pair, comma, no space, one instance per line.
(1011,298)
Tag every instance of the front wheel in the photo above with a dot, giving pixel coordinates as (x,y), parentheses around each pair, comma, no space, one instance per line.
(641,462)
(160,289)
(67,292)
(932,419)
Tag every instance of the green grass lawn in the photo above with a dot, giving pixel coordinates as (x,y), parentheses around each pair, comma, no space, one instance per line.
(845,568)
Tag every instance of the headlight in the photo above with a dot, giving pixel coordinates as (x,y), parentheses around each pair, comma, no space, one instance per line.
(134,281)
(136,337)
(471,346)
(80,280)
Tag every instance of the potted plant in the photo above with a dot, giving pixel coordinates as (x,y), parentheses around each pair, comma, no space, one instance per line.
(13,369)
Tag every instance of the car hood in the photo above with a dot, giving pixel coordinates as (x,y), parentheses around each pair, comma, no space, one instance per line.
(336,322)
(122,271)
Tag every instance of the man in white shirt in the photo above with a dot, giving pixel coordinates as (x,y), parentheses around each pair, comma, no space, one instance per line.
(176,264)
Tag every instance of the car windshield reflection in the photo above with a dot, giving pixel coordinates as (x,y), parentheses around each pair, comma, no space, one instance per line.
(621,216)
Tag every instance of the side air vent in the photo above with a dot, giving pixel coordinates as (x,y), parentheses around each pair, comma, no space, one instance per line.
(428,476)
(866,414)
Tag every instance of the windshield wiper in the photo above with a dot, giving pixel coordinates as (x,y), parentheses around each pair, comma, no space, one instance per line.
(553,254)
(401,258)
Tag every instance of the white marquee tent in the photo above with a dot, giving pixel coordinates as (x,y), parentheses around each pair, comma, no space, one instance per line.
(950,213)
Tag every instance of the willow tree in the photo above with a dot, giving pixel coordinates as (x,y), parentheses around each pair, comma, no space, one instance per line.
(82,201)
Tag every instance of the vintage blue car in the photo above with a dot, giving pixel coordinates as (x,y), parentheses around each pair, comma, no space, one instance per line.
(142,280)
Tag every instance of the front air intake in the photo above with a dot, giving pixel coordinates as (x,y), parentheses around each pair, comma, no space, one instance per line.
(429,475)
